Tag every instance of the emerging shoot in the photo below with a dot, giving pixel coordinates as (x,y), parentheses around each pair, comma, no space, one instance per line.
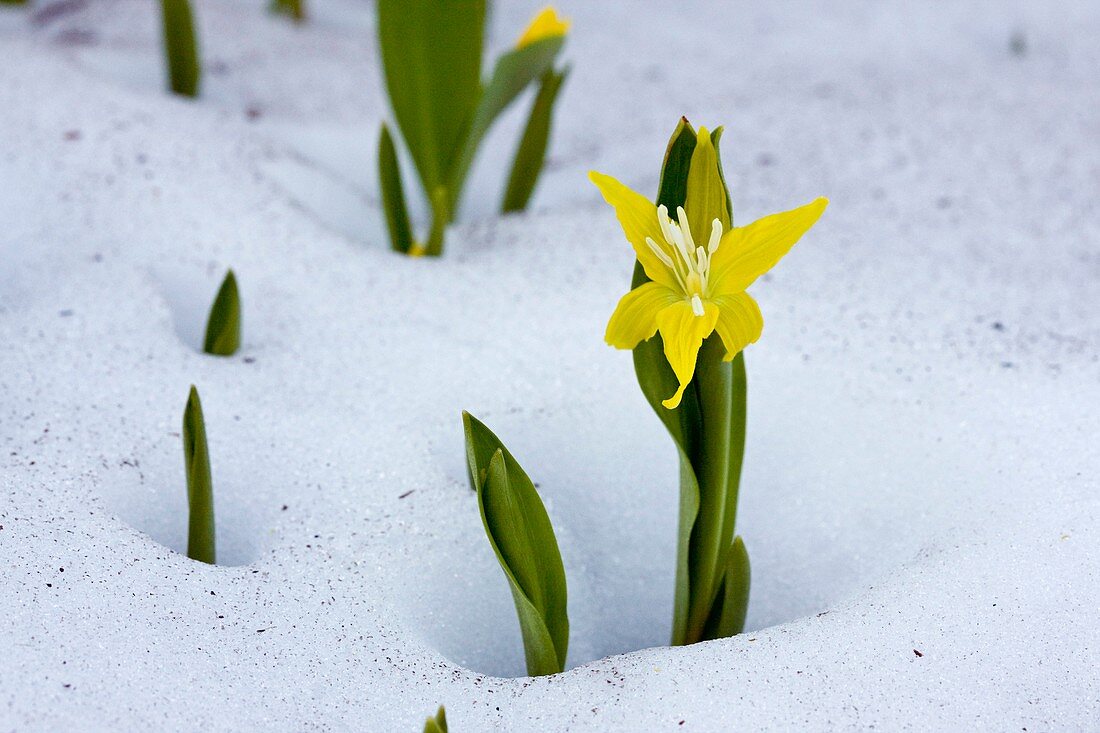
(223,327)
(200,489)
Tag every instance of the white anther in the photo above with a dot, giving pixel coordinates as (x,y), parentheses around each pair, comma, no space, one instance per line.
(684,228)
(666,225)
(697,305)
(715,236)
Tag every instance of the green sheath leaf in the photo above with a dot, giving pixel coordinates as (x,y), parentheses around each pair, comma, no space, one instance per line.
(531,153)
(720,391)
(707,428)
(431,54)
(180,47)
(223,327)
(437,723)
(200,489)
(522,537)
(513,72)
(393,194)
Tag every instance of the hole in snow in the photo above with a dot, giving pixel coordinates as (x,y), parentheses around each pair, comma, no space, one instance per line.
(147,488)
(189,292)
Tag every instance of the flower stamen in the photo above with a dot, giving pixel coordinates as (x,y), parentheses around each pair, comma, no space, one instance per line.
(689,263)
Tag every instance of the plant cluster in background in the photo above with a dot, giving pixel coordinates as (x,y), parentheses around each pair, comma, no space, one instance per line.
(432,56)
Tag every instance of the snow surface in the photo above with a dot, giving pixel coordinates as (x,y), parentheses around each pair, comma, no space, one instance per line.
(920,499)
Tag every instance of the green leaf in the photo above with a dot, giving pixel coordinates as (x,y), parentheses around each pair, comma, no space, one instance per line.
(733,606)
(180,47)
(431,54)
(514,70)
(293,9)
(223,327)
(672,190)
(531,153)
(522,537)
(720,393)
(437,723)
(200,489)
(393,194)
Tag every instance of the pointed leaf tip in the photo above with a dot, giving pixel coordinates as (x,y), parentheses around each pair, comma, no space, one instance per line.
(223,327)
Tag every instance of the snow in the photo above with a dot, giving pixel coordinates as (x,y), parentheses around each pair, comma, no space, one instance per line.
(920,498)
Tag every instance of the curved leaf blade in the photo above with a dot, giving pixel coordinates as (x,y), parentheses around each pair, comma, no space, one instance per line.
(531,153)
(519,530)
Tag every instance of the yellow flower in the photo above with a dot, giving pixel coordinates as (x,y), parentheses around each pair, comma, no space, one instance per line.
(697,287)
(547,24)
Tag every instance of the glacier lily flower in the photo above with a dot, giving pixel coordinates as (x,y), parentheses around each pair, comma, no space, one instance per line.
(699,267)
(547,24)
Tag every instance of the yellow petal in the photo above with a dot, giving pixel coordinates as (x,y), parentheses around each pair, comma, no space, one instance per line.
(635,317)
(683,333)
(706,194)
(638,217)
(739,322)
(547,24)
(746,253)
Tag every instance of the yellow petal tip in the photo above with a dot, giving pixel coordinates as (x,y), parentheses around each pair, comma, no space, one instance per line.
(674,401)
(547,24)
